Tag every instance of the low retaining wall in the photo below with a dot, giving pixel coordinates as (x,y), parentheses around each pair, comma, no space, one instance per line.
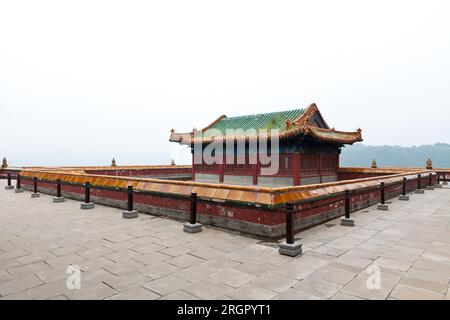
(242,218)
(251,210)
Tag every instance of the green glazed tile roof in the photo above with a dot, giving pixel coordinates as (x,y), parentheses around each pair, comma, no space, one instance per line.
(268,121)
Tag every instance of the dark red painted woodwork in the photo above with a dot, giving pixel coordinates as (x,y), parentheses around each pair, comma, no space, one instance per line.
(240,213)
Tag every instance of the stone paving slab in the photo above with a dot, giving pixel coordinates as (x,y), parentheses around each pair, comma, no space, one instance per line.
(403,253)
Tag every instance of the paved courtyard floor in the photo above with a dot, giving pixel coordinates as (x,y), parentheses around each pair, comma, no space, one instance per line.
(403,253)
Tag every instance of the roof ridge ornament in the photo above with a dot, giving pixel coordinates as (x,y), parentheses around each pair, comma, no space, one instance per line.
(289,123)
(4,163)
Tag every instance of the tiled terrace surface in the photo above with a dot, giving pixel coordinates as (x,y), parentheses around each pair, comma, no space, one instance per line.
(152,258)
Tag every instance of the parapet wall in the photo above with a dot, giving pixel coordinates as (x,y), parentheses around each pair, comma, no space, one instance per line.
(252,210)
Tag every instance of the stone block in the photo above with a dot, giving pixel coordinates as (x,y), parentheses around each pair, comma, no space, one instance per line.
(129,214)
(86,206)
(9,187)
(349,222)
(18,190)
(58,199)
(419,191)
(384,207)
(192,228)
(291,250)
(403,197)
(438,185)
(429,188)
(35,195)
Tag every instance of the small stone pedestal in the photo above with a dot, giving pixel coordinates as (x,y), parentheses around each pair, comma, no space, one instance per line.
(9,187)
(419,191)
(192,228)
(403,197)
(35,195)
(291,250)
(129,214)
(445,183)
(18,190)
(429,188)
(58,199)
(438,185)
(86,206)
(348,222)
(384,207)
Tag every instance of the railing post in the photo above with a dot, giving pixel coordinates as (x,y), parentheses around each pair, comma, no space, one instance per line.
(9,186)
(290,247)
(87,192)
(130,213)
(18,185)
(383,205)
(58,188)
(35,193)
(403,196)
(419,189)
(58,197)
(87,197)
(347,221)
(430,182)
(347,204)
(192,226)
(290,237)
(193,213)
(130,198)
(438,181)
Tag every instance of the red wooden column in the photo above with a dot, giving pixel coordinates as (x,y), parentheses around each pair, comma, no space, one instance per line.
(255,170)
(296,168)
(299,169)
(255,174)
(320,167)
(222,169)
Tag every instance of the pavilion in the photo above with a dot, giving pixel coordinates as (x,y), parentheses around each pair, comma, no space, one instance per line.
(308,149)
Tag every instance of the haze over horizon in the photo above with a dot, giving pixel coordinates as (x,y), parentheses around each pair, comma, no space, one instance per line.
(82,82)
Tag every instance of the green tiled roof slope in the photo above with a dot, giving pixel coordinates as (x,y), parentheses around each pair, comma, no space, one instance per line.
(268,121)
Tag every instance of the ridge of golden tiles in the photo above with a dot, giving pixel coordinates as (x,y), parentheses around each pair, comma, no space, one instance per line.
(220,192)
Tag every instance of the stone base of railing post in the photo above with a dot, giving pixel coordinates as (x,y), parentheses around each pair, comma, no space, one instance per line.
(429,188)
(35,195)
(192,228)
(86,206)
(384,207)
(403,197)
(438,185)
(58,199)
(419,191)
(129,214)
(349,222)
(18,190)
(445,183)
(291,250)
(9,187)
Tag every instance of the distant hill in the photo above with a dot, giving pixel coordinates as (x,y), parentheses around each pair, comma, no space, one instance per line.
(360,155)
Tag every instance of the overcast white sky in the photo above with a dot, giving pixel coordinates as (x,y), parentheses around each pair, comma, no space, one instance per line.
(83,81)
